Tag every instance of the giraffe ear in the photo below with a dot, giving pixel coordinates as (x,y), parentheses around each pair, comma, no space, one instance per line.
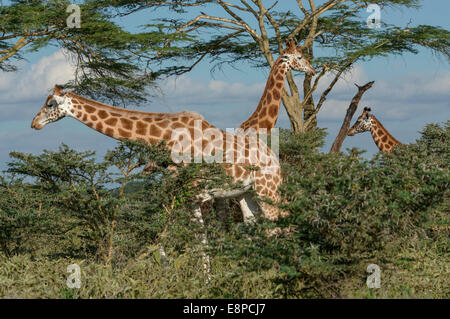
(58,90)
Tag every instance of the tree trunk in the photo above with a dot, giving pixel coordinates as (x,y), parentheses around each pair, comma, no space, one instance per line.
(308,109)
(294,111)
(336,147)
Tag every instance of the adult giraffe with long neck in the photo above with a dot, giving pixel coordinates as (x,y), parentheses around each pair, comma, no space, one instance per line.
(368,122)
(266,114)
(121,124)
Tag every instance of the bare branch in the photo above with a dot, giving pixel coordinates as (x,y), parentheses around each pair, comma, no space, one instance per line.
(337,144)
(239,21)
(323,97)
(300,5)
(323,8)
(316,83)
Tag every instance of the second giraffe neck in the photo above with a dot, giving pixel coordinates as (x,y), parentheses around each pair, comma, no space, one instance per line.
(266,114)
(382,138)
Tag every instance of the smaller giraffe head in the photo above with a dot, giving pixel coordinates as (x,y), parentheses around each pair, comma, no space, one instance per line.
(56,107)
(362,124)
(293,56)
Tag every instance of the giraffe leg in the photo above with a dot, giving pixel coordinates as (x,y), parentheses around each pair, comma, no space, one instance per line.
(204,242)
(162,253)
(221,209)
(250,208)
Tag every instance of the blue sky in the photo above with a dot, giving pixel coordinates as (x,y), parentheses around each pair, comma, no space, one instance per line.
(409,92)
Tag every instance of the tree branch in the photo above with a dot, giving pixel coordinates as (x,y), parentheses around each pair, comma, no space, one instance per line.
(336,147)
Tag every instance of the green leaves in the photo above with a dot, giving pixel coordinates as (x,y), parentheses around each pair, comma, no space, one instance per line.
(345,211)
(111,63)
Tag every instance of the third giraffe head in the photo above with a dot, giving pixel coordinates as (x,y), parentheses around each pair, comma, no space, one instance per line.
(363,123)
(56,107)
(295,59)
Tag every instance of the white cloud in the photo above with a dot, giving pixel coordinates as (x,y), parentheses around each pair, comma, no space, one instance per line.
(35,81)
(185,90)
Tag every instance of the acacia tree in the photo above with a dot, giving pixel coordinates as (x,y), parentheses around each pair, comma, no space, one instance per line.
(115,64)
(250,31)
(111,62)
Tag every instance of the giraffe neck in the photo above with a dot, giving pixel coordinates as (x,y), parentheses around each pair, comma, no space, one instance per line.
(122,124)
(382,138)
(266,114)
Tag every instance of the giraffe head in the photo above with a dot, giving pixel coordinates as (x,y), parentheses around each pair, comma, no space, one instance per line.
(56,107)
(363,123)
(294,58)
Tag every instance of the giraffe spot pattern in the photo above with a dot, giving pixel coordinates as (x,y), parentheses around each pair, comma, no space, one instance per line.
(163,124)
(111,122)
(276,94)
(266,124)
(89,109)
(103,114)
(124,133)
(109,131)
(141,128)
(274,110)
(126,124)
(184,120)
(155,131)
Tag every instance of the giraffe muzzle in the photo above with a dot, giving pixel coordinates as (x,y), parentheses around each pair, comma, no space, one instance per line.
(36,125)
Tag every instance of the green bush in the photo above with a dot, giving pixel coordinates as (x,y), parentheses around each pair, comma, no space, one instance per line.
(348,212)
(63,207)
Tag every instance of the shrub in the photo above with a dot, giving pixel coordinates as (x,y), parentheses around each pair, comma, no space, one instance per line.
(347,212)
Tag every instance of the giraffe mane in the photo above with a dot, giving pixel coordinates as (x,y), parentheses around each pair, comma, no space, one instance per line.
(134,112)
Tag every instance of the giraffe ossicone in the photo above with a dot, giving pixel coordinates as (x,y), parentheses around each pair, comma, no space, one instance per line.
(368,122)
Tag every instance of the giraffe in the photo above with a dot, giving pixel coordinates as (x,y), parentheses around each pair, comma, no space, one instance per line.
(120,124)
(368,122)
(266,114)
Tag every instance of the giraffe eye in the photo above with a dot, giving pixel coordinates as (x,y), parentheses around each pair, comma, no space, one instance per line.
(51,103)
